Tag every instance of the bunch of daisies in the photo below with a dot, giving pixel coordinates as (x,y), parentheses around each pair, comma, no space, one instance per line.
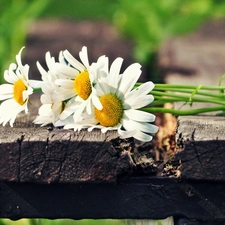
(79,95)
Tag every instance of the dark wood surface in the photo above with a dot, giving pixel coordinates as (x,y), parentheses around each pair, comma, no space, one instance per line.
(57,173)
(153,198)
(201,145)
(30,153)
(34,154)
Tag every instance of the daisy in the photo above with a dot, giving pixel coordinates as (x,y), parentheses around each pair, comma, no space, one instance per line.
(51,110)
(121,103)
(15,94)
(79,82)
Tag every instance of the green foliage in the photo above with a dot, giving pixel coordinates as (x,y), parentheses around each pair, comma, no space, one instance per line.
(60,222)
(167,221)
(81,9)
(15,16)
(150,23)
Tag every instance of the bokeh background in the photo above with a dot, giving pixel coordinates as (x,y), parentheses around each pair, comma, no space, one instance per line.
(134,30)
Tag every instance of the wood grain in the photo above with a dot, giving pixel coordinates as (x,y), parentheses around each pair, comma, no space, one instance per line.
(201,151)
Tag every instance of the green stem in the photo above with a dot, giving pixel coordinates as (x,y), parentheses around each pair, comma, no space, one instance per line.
(177,112)
(158,95)
(180,86)
(188,92)
(168,100)
(37,90)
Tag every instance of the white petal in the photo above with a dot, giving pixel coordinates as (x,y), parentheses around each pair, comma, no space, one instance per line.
(126,133)
(84,57)
(139,135)
(9,109)
(10,76)
(78,112)
(46,99)
(50,61)
(65,82)
(63,95)
(71,60)
(41,70)
(143,89)
(142,126)
(140,116)
(6,96)
(6,89)
(89,106)
(96,102)
(104,130)
(68,110)
(139,102)
(116,66)
(102,88)
(129,78)
(66,70)
(45,110)
(100,68)
(114,72)
(36,83)
(142,136)
(47,89)
(18,57)
(26,93)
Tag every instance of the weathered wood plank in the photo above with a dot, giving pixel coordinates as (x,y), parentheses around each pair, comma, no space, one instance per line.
(34,154)
(136,198)
(200,148)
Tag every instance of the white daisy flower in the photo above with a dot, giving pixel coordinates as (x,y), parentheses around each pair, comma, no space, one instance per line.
(51,110)
(121,103)
(50,113)
(79,81)
(16,93)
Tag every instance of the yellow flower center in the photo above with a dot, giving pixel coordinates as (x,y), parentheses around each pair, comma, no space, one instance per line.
(82,85)
(18,89)
(112,111)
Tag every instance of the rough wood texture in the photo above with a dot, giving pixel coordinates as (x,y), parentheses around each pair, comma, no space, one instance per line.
(36,155)
(136,198)
(201,152)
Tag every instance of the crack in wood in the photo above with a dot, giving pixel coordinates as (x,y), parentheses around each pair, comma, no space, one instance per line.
(63,160)
(19,141)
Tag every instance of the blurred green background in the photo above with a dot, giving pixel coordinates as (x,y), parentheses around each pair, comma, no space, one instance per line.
(60,222)
(148,23)
(167,221)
